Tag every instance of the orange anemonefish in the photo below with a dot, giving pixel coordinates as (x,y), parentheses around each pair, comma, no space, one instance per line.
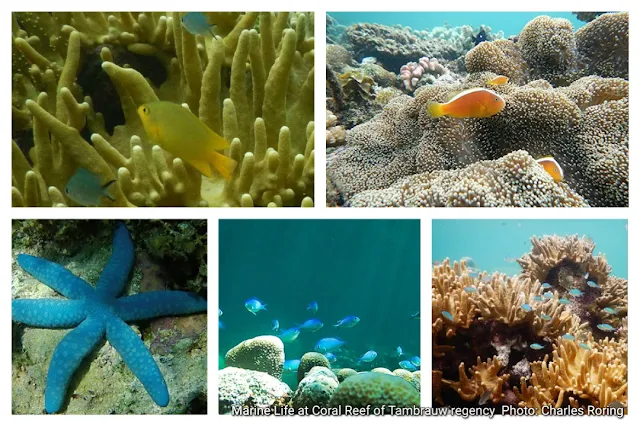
(552,167)
(476,103)
(498,81)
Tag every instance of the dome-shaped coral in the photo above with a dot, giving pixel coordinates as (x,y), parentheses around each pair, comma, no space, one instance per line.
(262,353)
(375,390)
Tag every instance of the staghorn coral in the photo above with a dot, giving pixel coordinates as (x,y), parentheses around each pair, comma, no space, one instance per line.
(254,86)
(590,144)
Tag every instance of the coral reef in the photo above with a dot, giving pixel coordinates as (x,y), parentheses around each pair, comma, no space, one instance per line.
(412,72)
(539,351)
(252,83)
(310,360)
(242,388)
(335,133)
(262,353)
(375,390)
(316,389)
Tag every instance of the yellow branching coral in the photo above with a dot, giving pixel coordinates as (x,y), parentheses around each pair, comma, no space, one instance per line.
(253,84)
(448,294)
(484,378)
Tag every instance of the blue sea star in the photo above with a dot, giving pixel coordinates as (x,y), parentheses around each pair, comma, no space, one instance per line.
(95,312)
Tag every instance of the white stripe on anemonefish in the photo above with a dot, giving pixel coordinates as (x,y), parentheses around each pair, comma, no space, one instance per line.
(477,89)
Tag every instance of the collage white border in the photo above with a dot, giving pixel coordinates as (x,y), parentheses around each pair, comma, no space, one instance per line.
(320,211)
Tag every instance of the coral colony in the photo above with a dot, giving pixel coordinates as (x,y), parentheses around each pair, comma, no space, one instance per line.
(98,312)
(503,344)
(74,107)
(561,139)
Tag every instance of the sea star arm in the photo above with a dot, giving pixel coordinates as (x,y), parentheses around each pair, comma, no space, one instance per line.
(48,313)
(138,358)
(153,304)
(55,276)
(67,358)
(115,273)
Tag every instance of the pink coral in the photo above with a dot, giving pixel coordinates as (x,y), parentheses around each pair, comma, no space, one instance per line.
(412,72)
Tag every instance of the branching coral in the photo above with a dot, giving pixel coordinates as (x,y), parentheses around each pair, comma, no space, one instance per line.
(484,378)
(254,86)
(412,72)
(335,132)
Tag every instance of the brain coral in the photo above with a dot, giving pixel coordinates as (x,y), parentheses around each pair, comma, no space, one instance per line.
(78,79)
(310,360)
(262,353)
(316,389)
(375,390)
(584,126)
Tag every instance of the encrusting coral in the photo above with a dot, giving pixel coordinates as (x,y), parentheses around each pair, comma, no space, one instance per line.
(476,316)
(252,84)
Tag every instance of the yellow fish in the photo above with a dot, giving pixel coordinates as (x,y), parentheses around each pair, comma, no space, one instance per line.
(498,81)
(476,103)
(181,133)
(552,167)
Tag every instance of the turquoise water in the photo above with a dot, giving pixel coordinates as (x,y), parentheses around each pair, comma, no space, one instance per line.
(366,268)
(509,22)
(490,242)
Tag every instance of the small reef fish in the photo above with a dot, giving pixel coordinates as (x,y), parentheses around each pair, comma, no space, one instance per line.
(610,311)
(289,335)
(616,404)
(471,264)
(328,344)
(407,365)
(592,284)
(415,360)
(219,312)
(275,325)
(485,397)
(568,336)
(220,324)
(415,315)
(538,298)
(369,356)
(546,286)
(181,133)
(526,307)
(498,81)
(586,275)
(447,315)
(584,346)
(552,167)
(330,357)
(536,346)
(86,188)
(399,351)
(547,295)
(605,327)
(470,289)
(476,103)
(311,325)
(313,307)
(254,306)
(564,301)
(575,292)
(196,23)
(545,317)
(347,322)
(291,365)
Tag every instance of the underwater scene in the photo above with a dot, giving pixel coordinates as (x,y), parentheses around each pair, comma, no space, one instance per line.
(194,109)
(109,317)
(530,316)
(488,109)
(328,317)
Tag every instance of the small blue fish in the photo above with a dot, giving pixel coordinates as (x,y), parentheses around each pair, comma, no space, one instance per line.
(328,344)
(347,322)
(568,336)
(219,312)
(605,327)
(526,307)
(610,311)
(564,301)
(289,335)
(369,356)
(407,365)
(196,23)
(275,325)
(254,306)
(415,315)
(447,315)
(313,307)
(536,346)
(330,357)
(586,275)
(538,298)
(291,365)
(545,317)
(584,346)
(547,295)
(592,284)
(312,325)
(399,351)
(415,360)
(86,188)
(470,289)
(546,286)
(220,325)
(575,292)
